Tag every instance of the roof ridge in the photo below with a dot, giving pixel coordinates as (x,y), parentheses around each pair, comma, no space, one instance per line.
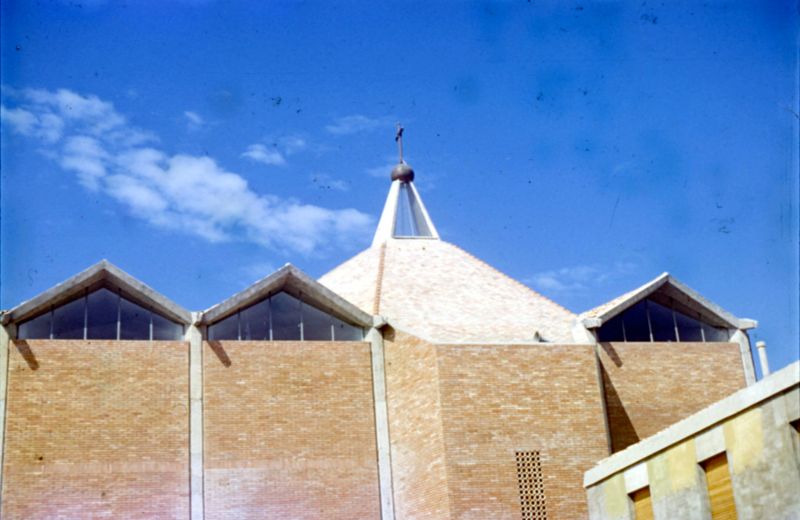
(514,280)
(376,302)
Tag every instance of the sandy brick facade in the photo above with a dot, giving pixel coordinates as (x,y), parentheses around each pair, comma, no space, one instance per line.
(415,422)
(500,399)
(289,431)
(96,429)
(649,386)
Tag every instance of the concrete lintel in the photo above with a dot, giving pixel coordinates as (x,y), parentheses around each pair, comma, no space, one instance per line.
(747,323)
(708,417)
(591,323)
(636,477)
(381,424)
(379,322)
(293,281)
(99,272)
(709,443)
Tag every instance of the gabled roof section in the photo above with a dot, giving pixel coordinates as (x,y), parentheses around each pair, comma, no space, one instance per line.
(101,273)
(685,299)
(293,281)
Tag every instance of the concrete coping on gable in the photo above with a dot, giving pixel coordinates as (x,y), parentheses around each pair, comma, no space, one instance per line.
(101,272)
(292,280)
(706,418)
(595,318)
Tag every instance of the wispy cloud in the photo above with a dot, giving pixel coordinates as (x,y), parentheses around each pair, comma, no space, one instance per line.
(384,170)
(185,193)
(193,120)
(579,278)
(357,123)
(262,154)
(291,144)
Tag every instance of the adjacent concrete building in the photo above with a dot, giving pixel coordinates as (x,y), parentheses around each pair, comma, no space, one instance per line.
(413,381)
(738,458)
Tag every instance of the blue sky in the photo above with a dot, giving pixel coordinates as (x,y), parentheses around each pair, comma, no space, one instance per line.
(582,147)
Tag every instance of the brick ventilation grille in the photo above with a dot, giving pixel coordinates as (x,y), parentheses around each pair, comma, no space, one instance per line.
(531,485)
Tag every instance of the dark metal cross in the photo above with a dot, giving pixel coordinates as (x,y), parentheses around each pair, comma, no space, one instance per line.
(399,139)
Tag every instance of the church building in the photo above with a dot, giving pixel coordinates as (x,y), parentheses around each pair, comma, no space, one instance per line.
(411,382)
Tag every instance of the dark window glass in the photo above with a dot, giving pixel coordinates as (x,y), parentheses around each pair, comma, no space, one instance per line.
(134,321)
(68,320)
(37,328)
(166,330)
(409,220)
(255,322)
(661,322)
(612,330)
(688,328)
(285,317)
(316,324)
(636,328)
(715,333)
(225,329)
(102,318)
(282,314)
(345,332)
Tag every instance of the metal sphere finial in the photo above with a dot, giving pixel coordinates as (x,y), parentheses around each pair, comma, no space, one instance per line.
(403,173)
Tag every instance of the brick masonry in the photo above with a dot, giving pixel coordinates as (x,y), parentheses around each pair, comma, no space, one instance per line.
(415,426)
(289,431)
(500,399)
(100,428)
(97,429)
(649,386)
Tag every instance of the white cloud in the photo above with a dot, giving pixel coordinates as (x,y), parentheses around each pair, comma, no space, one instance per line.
(356,123)
(185,193)
(382,172)
(577,279)
(193,120)
(262,154)
(291,144)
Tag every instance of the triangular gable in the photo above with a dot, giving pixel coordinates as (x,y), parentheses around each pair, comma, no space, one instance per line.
(101,273)
(296,283)
(685,298)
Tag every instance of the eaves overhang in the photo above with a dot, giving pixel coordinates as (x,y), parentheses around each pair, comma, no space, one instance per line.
(296,283)
(684,297)
(101,273)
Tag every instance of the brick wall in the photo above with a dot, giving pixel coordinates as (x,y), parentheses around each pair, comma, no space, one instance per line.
(499,399)
(649,386)
(415,423)
(97,429)
(289,431)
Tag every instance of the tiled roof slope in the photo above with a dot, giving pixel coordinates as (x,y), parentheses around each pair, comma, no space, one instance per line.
(630,296)
(445,295)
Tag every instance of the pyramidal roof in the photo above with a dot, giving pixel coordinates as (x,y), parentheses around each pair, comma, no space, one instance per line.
(436,290)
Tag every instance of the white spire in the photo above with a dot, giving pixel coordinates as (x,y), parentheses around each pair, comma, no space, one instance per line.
(404,215)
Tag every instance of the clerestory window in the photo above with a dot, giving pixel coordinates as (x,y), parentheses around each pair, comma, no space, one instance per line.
(282,317)
(103,313)
(649,320)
